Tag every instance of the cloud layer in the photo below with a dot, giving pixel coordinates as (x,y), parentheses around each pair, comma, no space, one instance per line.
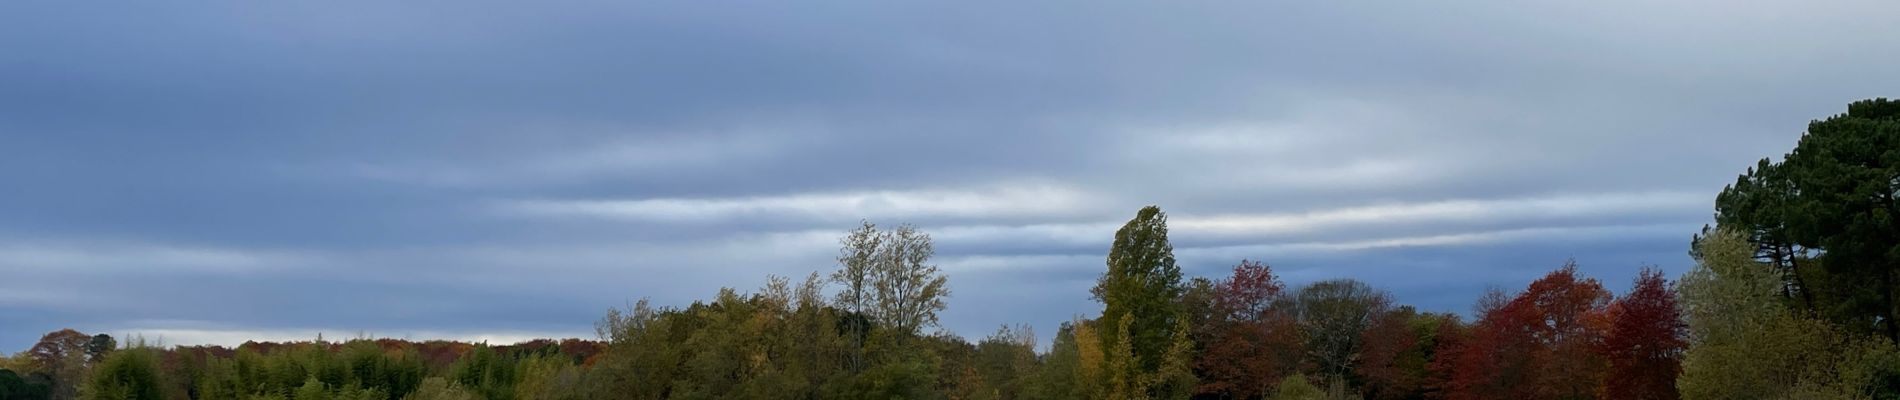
(219,170)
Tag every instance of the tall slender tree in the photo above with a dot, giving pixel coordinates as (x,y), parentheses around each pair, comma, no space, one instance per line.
(1142,284)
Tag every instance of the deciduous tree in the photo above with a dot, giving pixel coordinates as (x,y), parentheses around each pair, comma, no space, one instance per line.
(1744,343)
(1541,344)
(1333,315)
(1247,343)
(1645,342)
(1142,284)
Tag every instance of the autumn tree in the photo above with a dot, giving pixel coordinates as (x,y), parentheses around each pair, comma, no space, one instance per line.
(1541,344)
(1143,286)
(1645,342)
(1247,343)
(62,355)
(1395,360)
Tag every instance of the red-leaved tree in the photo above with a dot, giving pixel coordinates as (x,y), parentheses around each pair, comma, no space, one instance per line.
(1248,344)
(1645,342)
(1542,344)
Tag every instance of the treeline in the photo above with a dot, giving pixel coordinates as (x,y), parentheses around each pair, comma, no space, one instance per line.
(1792,296)
(68,364)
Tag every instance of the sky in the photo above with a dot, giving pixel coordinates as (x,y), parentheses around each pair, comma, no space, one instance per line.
(218,171)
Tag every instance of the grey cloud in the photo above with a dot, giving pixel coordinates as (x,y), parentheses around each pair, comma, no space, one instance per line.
(275,167)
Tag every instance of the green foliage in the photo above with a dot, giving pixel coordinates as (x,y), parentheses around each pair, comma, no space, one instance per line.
(901,380)
(1141,291)
(130,374)
(1006,363)
(1831,201)
(312,389)
(359,369)
(485,373)
(547,377)
(1297,387)
(1745,344)
(888,282)
(1175,378)
(16,387)
(1061,374)
(435,388)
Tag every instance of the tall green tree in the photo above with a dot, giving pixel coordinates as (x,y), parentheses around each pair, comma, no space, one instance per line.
(1834,199)
(1143,285)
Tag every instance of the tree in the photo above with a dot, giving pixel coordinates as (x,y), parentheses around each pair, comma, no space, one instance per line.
(1334,314)
(1744,343)
(1395,362)
(887,281)
(1174,379)
(1142,284)
(1247,342)
(1006,362)
(99,346)
(62,355)
(857,268)
(131,374)
(1836,198)
(1645,342)
(1541,344)
(1072,369)
(910,291)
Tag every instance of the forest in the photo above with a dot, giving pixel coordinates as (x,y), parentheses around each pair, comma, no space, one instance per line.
(1793,295)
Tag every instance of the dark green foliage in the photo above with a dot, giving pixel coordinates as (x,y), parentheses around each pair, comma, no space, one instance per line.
(1142,283)
(16,387)
(1833,199)
(359,369)
(485,373)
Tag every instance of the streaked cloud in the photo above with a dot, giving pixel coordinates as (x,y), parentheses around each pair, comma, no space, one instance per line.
(1004,201)
(1607,204)
(123,257)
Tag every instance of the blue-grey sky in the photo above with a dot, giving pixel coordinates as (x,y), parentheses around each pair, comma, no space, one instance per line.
(208,172)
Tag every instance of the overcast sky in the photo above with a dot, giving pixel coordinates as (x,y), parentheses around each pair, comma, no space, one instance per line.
(210,172)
